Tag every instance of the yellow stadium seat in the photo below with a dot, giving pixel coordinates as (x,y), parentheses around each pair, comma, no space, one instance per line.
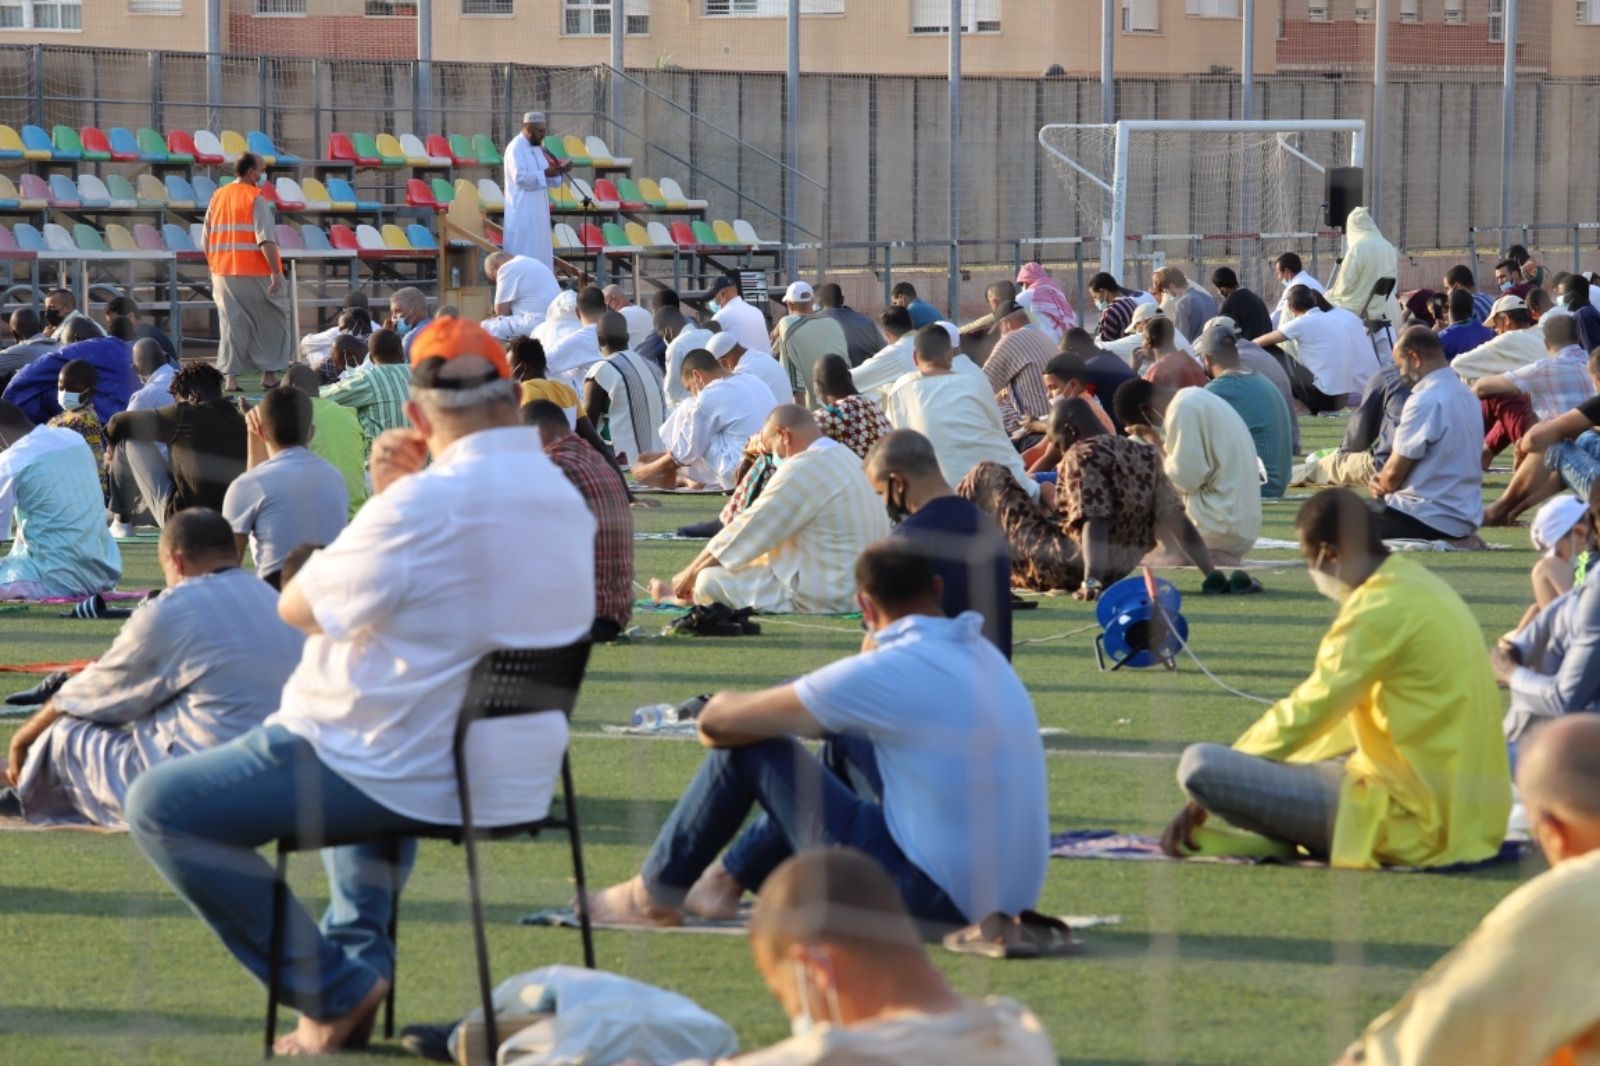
(118,239)
(234,145)
(8,191)
(724,232)
(395,237)
(11,142)
(638,236)
(316,192)
(151,191)
(576,149)
(389,148)
(561,198)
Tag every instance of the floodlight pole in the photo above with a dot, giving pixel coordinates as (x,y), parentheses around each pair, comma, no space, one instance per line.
(1380,104)
(213,64)
(953,294)
(423,84)
(1508,104)
(791,142)
(1108,40)
(1247,63)
(619,28)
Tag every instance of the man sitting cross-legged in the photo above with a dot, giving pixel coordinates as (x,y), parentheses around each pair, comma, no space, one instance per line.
(194,667)
(1520,988)
(206,447)
(706,434)
(1368,436)
(1556,453)
(397,612)
(1112,505)
(1542,390)
(930,710)
(791,550)
(1390,753)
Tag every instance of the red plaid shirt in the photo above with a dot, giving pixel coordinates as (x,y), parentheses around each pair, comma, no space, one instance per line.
(613,541)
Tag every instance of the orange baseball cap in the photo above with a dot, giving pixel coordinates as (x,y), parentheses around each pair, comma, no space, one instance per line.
(448,338)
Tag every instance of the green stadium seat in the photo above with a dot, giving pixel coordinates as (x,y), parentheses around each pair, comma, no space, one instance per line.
(66,145)
(152,149)
(483,147)
(443,191)
(88,238)
(461,150)
(703,233)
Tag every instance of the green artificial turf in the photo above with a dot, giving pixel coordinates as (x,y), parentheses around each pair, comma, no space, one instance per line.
(1210,964)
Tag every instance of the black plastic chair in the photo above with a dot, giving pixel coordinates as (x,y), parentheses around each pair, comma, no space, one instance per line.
(503,684)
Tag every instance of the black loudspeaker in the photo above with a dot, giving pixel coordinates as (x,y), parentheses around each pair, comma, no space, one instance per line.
(1344,194)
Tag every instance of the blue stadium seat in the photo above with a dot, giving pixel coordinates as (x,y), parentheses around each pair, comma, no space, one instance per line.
(341,190)
(261,144)
(420,236)
(204,189)
(177,238)
(29,239)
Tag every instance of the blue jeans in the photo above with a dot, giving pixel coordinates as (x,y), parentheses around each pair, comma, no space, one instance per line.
(803,805)
(200,819)
(1577,461)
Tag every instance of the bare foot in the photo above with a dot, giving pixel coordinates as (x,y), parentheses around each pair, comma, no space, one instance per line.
(661,592)
(630,904)
(715,896)
(349,1030)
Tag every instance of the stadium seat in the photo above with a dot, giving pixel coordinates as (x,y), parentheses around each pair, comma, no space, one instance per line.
(581,189)
(566,237)
(67,146)
(314,239)
(63,195)
(177,238)
(87,238)
(343,237)
(419,155)
(118,239)
(262,145)
(10,143)
(208,149)
(151,192)
(704,235)
(443,191)
(561,198)
(114,190)
(555,148)
(180,194)
(462,151)
(10,200)
(369,239)
(653,195)
(370,155)
(389,150)
(617,237)
(148,238)
(124,148)
(92,192)
(318,198)
(677,197)
(638,236)
(576,151)
(96,148)
(35,192)
(58,238)
(605,189)
(28,238)
(182,149)
(724,233)
(9,249)
(420,194)
(747,233)
(421,238)
(483,147)
(233,145)
(152,149)
(438,147)
(660,236)
(342,192)
(290,198)
(204,189)
(341,149)
(628,195)
(591,236)
(36,145)
(490,196)
(289,238)
(602,154)
(682,234)
(394,238)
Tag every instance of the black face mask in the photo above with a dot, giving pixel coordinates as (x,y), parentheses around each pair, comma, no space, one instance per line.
(53,316)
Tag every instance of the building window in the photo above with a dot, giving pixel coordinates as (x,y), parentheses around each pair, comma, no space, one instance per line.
(1363,10)
(383,9)
(1410,11)
(280,7)
(1497,21)
(155,7)
(475,7)
(1317,12)
(771,8)
(1455,12)
(41,15)
(933,16)
(1589,12)
(592,18)
(1141,16)
(1212,9)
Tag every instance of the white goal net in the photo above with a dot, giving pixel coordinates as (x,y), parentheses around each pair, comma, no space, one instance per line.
(1200,194)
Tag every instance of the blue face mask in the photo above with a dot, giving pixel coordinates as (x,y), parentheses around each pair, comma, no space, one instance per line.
(401,326)
(69,401)
(714,306)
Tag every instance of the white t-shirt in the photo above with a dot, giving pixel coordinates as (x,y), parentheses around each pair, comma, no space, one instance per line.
(747,324)
(527,285)
(688,339)
(638,406)
(712,436)
(639,324)
(997,1031)
(572,357)
(410,596)
(892,362)
(1322,346)
(1363,357)
(760,364)
(1280,314)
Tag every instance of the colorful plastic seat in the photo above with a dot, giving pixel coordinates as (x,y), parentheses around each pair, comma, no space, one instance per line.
(616,236)
(443,191)
(124,148)
(420,194)
(290,198)
(58,238)
(36,145)
(576,151)
(151,192)
(205,187)
(343,237)
(394,238)
(483,147)
(637,235)
(675,195)
(92,193)
(724,233)
(314,239)
(28,237)
(87,238)
(148,238)
(417,154)
(35,192)
(262,145)
(10,143)
(598,153)
(653,195)
(181,149)
(437,146)
(421,238)
(389,150)
(118,239)
(591,237)
(66,145)
(660,236)
(152,148)
(8,245)
(208,149)
(490,196)
(96,147)
(341,149)
(180,194)
(63,194)
(582,190)
(561,198)
(703,233)
(233,145)
(318,198)
(289,238)
(682,235)
(177,238)
(340,191)
(629,196)
(555,148)
(370,155)
(462,152)
(370,239)
(10,199)
(746,233)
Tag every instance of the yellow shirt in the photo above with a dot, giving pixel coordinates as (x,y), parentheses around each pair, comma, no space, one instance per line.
(1402,683)
(557,392)
(1520,991)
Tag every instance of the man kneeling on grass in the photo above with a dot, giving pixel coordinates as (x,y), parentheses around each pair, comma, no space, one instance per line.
(931,718)
(1390,753)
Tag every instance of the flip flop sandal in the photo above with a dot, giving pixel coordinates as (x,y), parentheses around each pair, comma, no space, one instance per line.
(1242,583)
(95,607)
(1029,935)
(1216,584)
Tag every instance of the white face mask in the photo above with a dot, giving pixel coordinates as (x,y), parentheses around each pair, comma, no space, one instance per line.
(806,1020)
(1327,584)
(69,401)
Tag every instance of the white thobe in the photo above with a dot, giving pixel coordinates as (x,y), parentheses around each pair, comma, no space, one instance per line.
(527,217)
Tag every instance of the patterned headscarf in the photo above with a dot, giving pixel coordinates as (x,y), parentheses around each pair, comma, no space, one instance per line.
(1048,301)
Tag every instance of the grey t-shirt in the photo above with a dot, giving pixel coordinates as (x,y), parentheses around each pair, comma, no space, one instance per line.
(291,499)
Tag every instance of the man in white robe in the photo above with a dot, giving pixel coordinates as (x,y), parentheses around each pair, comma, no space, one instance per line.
(529,174)
(191,669)
(523,290)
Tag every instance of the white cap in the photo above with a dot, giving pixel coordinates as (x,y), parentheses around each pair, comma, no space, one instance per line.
(954,331)
(1507,303)
(799,292)
(533,118)
(1141,314)
(721,344)
(1554,521)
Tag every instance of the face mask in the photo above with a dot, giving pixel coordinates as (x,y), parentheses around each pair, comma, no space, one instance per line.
(1506,286)
(69,401)
(1327,584)
(1101,305)
(714,306)
(806,1020)
(401,326)
(53,317)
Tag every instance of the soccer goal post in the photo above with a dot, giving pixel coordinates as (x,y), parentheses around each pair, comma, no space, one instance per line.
(1198,180)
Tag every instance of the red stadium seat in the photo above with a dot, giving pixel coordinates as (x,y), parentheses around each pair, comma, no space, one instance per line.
(342,150)
(590,236)
(418,194)
(683,235)
(181,142)
(605,189)
(95,144)
(438,145)
(343,237)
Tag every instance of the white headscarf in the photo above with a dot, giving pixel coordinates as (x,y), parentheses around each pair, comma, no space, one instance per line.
(560,320)
(1554,521)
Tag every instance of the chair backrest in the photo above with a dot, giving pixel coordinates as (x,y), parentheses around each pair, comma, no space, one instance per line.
(177,239)
(152,148)
(118,239)
(660,236)
(119,188)
(95,144)
(289,238)
(88,238)
(204,189)
(314,238)
(93,189)
(489,194)
(315,192)
(725,233)
(672,190)
(651,192)
(637,235)
(703,233)
(555,147)
(521,681)
(29,239)
(591,236)
(616,236)
(366,148)
(683,234)
(566,236)
(123,144)
(389,148)
(443,191)
(342,191)
(57,239)
(8,243)
(605,189)
(197,235)
(461,149)
(36,139)
(746,232)
(66,143)
(419,236)
(343,237)
(148,238)
(179,190)
(629,190)
(341,148)
(597,150)
(261,144)
(579,189)
(63,191)
(576,151)
(393,237)
(35,188)
(150,188)
(411,146)
(369,239)
(233,144)
(419,193)
(10,142)
(8,191)
(436,146)
(289,191)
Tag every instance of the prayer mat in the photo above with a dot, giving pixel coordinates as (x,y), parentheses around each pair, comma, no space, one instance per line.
(1110,844)
(646,490)
(1473,543)
(567,918)
(71,666)
(17,825)
(110,597)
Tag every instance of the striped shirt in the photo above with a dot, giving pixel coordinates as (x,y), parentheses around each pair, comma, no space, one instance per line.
(1556,384)
(378,394)
(1115,318)
(1016,367)
(603,491)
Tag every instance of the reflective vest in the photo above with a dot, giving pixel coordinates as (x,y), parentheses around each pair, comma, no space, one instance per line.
(231,248)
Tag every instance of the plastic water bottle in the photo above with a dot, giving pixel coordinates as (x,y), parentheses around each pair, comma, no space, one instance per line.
(655,716)
(455,277)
